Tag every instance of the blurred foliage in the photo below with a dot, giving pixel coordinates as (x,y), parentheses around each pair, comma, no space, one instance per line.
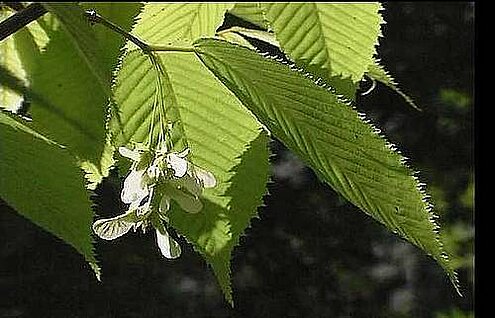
(455,313)
(310,254)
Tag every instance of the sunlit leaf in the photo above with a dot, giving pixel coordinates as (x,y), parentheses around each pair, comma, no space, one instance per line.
(334,139)
(179,22)
(50,195)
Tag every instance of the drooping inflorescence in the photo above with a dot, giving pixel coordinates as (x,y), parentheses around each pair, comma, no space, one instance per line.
(156,177)
(160,174)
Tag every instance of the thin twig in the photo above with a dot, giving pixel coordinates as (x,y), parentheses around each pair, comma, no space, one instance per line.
(94,17)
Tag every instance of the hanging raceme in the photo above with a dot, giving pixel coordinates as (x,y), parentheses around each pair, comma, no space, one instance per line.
(155,178)
(160,170)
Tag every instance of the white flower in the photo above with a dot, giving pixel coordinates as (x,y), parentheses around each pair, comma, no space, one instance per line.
(177,163)
(135,187)
(110,229)
(154,174)
(167,245)
(187,184)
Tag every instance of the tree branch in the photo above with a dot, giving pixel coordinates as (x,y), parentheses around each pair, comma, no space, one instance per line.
(22,18)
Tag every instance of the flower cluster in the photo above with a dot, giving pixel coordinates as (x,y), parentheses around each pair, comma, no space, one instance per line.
(156,178)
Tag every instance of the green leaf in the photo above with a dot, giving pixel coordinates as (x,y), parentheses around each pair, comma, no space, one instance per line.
(217,229)
(70,75)
(179,22)
(51,195)
(334,139)
(13,51)
(83,39)
(225,140)
(378,73)
(335,41)
(140,115)
(339,37)
(18,57)
(9,59)
(95,172)
(218,131)
(122,14)
(10,82)
(251,12)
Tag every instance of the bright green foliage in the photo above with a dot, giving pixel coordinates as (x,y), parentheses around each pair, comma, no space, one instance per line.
(217,229)
(145,101)
(63,76)
(338,37)
(13,56)
(10,60)
(80,35)
(51,195)
(211,114)
(217,129)
(212,97)
(95,172)
(378,73)
(206,114)
(251,12)
(179,22)
(335,41)
(332,138)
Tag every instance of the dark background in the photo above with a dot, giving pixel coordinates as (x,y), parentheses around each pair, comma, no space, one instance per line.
(310,254)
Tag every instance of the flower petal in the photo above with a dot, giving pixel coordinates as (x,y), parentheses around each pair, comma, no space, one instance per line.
(168,246)
(109,229)
(134,189)
(178,164)
(207,178)
(131,154)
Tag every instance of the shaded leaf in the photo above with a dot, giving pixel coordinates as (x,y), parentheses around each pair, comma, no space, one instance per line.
(83,39)
(9,59)
(120,13)
(111,44)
